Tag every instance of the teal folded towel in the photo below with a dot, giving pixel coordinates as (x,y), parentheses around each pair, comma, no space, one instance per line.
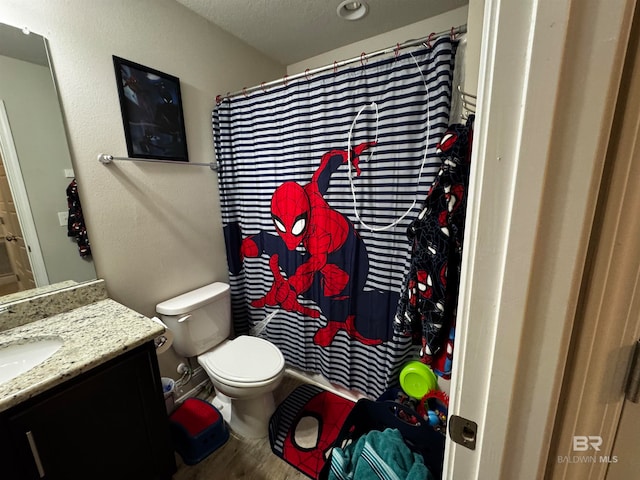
(378,455)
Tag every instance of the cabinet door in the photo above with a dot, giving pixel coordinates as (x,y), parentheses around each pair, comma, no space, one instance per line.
(111,424)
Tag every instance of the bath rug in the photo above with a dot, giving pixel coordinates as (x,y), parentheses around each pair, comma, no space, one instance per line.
(305,425)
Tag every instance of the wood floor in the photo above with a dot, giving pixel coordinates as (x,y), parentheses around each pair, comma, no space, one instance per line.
(244,459)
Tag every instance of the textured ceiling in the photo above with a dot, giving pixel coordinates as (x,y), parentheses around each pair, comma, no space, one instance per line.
(293,30)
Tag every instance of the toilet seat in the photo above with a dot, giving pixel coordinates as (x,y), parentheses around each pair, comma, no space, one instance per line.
(244,362)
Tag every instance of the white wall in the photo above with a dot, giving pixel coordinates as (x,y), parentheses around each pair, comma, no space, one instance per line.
(155,229)
(39,136)
(439,23)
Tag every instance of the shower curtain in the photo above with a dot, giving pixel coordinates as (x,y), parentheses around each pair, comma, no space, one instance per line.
(313,177)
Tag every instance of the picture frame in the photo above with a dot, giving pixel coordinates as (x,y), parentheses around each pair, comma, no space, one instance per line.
(151,106)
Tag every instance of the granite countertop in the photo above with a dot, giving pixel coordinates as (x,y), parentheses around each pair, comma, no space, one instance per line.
(92,335)
(13,297)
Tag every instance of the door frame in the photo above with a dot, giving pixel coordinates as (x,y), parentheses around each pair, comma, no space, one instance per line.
(21,200)
(536,170)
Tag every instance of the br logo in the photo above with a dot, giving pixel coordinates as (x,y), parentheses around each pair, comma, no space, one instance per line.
(582,443)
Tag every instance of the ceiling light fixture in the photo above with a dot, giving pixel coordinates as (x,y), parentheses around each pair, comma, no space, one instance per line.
(350,10)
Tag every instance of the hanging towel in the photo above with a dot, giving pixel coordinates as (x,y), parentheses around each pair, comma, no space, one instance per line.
(378,455)
(75,225)
(427,306)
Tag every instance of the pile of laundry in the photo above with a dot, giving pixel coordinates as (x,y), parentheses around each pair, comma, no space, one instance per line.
(378,455)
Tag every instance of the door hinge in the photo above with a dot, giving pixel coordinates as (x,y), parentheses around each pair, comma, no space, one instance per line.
(633,380)
(463,431)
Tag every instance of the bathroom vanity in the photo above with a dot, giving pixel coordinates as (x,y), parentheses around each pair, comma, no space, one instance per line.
(93,409)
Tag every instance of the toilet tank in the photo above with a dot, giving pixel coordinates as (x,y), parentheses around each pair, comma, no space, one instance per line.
(199,320)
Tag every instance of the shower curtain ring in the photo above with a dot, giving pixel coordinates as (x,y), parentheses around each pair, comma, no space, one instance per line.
(362,59)
(397,50)
(244,91)
(306,74)
(429,40)
(285,80)
(262,86)
(335,67)
(452,34)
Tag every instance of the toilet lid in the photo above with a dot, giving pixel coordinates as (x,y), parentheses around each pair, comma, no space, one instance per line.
(245,359)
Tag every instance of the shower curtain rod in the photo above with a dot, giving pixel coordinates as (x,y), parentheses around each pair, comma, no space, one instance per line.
(364,56)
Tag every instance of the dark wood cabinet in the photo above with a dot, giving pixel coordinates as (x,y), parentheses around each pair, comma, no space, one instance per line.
(109,423)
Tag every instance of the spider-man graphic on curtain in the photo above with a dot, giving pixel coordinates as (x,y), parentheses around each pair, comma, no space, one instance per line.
(332,268)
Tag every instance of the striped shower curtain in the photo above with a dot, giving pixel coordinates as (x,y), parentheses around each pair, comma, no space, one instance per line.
(308,196)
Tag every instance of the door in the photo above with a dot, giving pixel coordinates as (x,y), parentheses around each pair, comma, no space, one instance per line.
(19,219)
(20,276)
(626,447)
(625,455)
(596,433)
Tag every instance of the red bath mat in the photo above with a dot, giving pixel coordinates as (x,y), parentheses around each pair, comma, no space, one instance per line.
(304,426)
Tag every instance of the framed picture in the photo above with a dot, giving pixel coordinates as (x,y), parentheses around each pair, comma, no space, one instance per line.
(151,107)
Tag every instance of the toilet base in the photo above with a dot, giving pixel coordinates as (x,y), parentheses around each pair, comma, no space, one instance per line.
(223,404)
(247,417)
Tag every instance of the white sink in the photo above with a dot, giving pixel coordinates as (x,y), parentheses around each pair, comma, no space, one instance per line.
(17,358)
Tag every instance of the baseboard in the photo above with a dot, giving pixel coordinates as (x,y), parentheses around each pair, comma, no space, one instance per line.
(193,387)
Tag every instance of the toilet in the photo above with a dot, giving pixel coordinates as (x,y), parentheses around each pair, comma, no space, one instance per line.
(244,371)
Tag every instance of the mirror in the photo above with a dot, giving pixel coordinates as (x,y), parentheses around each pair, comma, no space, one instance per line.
(35,171)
